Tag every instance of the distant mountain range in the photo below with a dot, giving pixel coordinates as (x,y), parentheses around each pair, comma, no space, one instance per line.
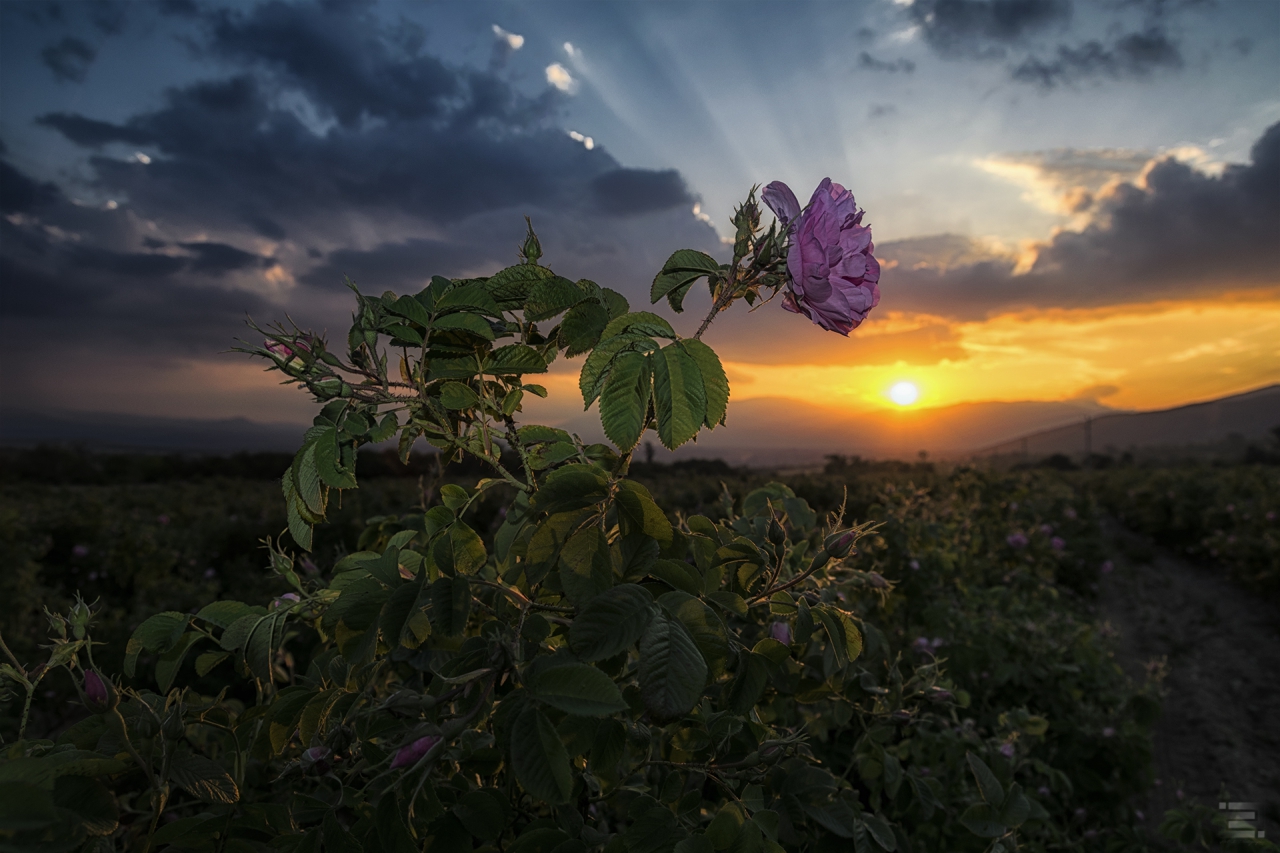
(761,432)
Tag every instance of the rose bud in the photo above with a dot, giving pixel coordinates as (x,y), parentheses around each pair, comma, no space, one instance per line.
(411,754)
(775,532)
(781,632)
(840,544)
(833,277)
(97,694)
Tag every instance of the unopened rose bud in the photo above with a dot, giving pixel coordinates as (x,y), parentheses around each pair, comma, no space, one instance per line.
(937,694)
(1006,749)
(840,544)
(531,249)
(97,693)
(781,632)
(877,580)
(775,532)
(411,754)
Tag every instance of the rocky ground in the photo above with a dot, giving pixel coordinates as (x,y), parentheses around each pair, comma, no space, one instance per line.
(1219,735)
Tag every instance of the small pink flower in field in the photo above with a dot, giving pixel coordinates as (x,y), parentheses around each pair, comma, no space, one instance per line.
(1108,567)
(285,600)
(1058,543)
(1006,749)
(1069,512)
(781,632)
(936,643)
(409,755)
(921,644)
(1108,732)
(1017,540)
(915,565)
(80,551)
(95,692)
(833,277)
(162,519)
(1046,529)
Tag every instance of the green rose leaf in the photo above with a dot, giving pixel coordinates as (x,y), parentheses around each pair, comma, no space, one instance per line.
(539,759)
(672,671)
(578,689)
(679,396)
(624,404)
(611,623)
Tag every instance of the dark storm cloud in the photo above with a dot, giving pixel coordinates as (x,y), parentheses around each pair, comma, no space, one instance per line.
(403,267)
(69,59)
(83,294)
(1185,235)
(342,58)
(18,193)
(331,125)
(624,192)
(868,62)
(1133,55)
(984,28)
(218,259)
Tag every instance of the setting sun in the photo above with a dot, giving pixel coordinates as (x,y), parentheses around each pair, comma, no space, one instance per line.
(904,393)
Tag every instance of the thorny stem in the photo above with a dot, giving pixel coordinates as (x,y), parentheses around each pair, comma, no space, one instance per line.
(819,560)
(721,302)
(522,600)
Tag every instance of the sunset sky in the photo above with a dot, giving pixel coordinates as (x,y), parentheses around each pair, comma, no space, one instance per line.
(1073,200)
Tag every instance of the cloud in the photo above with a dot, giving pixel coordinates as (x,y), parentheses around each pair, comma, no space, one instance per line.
(330,144)
(869,63)
(624,192)
(1136,55)
(984,29)
(559,77)
(1067,180)
(1176,233)
(69,59)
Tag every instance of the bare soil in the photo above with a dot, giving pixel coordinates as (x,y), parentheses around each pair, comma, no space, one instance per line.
(1218,737)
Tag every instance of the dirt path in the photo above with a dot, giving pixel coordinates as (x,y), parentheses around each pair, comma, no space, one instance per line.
(1221,722)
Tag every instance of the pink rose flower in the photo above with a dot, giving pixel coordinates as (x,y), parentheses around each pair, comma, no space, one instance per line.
(833,277)
(781,632)
(411,754)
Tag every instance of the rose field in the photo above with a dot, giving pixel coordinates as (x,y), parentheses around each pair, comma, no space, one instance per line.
(530,643)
